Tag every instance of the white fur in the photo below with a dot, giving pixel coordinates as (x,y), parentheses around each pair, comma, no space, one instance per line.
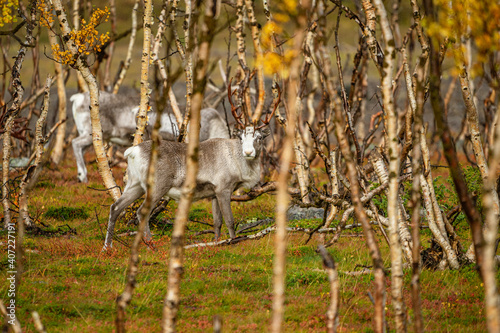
(136,166)
(247,139)
(80,116)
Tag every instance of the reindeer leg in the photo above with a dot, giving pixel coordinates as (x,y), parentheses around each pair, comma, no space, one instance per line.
(216,213)
(79,144)
(224,199)
(147,230)
(130,194)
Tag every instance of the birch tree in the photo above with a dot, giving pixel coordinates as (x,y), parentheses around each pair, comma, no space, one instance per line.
(142,115)
(394,165)
(176,260)
(11,115)
(128,59)
(57,152)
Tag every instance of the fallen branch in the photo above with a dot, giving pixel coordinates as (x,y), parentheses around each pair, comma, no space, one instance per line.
(264,232)
(252,225)
(364,271)
(236,240)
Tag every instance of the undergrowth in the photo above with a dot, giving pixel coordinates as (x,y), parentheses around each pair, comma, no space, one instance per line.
(66,213)
(73,286)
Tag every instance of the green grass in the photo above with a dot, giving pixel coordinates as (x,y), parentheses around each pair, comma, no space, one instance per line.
(73,286)
(66,213)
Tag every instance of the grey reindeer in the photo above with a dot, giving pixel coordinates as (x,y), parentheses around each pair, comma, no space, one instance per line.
(118,121)
(224,166)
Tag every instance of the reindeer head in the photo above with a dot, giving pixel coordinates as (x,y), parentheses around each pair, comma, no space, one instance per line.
(251,135)
(252,141)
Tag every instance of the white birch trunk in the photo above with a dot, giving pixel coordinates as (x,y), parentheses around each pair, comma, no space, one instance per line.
(282,198)
(128,59)
(393,206)
(404,232)
(176,260)
(436,231)
(142,115)
(58,150)
(82,85)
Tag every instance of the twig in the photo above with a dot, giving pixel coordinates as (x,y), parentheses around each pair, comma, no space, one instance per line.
(16,327)
(252,225)
(98,223)
(331,268)
(38,323)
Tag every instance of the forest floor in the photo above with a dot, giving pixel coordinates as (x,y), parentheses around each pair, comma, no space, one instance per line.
(73,285)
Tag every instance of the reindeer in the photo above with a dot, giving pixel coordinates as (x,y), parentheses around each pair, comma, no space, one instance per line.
(224,166)
(118,120)
(211,125)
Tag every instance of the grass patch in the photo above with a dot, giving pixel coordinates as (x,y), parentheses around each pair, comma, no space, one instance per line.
(45,184)
(305,278)
(66,213)
(74,286)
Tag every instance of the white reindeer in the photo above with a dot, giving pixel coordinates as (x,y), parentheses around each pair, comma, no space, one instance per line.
(118,121)
(224,166)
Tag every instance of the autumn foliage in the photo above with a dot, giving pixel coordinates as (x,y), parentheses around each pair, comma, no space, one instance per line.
(87,39)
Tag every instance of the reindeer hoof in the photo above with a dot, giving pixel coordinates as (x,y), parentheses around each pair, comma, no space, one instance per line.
(82,179)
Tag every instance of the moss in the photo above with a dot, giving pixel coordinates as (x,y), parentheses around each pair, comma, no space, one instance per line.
(66,213)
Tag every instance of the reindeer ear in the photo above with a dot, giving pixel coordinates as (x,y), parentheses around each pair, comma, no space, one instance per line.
(237,133)
(265,132)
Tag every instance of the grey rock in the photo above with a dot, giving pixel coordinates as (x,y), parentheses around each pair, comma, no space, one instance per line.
(299,213)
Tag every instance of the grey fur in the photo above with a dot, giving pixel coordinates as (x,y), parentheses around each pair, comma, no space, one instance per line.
(224,166)
(211,125)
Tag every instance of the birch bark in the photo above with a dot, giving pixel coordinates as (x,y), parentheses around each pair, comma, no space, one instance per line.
(176,261)
(361,215)
(416,95)
(188,68)
(82,85)
(81,66)
(142,115)
(394,165)
(333,309)
(124,299)
(490,197)
(11,115)
(23,218)
(57,152)
(257,112)
(282,198)
(161,66)
(404,233)
(128,59)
